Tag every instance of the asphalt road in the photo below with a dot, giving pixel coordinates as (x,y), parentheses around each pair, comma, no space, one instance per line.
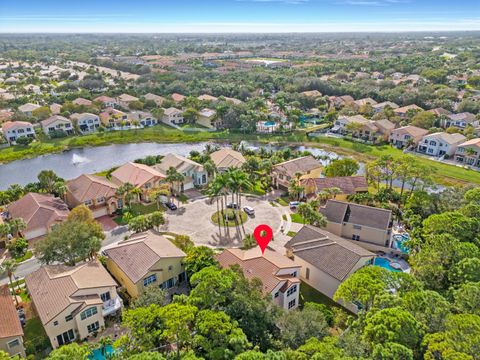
(29,266)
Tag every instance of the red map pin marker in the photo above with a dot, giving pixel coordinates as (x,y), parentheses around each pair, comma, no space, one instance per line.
(263,234)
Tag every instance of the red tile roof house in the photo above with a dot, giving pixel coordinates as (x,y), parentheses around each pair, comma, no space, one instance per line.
(348,185)
(98,193)
(141,176)
(279,275)
(124,100)
(39,211)
(177,97)
(13,130)
(404,111)
(406,136)
(11,332)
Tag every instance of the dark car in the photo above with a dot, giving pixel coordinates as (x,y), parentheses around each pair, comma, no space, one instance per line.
(171,206)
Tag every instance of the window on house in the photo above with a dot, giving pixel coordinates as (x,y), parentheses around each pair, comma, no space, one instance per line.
(93,327)
(307,273)
(13,343)
(105,296)
(170,267)
(55,323)
(100,200)
(150,280)
(357,227)
(292,303)
(68,317)
(292,290)
(88,313)
(356,237)
(88,202)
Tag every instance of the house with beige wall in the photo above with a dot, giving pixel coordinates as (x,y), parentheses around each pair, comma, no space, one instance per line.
(227,158)
(11,332)
(73,302)
(347,185)
(306,166)
(141,176)
(365,224)
(325,259)
(468,153)
(146,259)
(97,193)
(279,275)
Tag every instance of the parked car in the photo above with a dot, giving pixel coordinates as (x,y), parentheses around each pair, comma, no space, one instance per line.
(249,210)
(171,206)
(293,204)
(232,205)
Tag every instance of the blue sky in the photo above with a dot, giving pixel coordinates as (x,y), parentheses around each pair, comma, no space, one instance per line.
(237,15)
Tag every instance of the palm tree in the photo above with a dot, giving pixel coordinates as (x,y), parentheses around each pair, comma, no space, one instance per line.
(214,192)
(125,190)
(9,266)
(334,191)
(173,177)
(210,168)
(16,226)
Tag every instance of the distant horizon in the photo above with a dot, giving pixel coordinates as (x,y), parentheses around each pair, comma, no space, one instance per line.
(238,16)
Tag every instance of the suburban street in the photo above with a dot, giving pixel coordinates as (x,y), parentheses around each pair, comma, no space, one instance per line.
(29,266)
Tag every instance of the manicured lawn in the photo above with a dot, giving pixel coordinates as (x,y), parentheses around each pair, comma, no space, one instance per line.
(219,219)
(139,209)
(36,340)
(291,233)
(309,294)
(296,218)
(282,201)
(27,256)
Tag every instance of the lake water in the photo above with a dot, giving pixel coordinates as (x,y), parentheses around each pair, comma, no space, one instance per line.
(72,163)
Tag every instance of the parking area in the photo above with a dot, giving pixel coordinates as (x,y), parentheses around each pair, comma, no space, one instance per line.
(194,219)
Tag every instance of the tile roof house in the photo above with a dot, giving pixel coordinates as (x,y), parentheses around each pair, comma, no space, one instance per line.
(113,118)
(73,301)
(173,116)
(440,144)
(98,193)
(405,110)
(57,123)
(56,108)
(28,108)
(381,106)
(306,166)
(11,332)
(144,259)
(365,101)
(348,185)
(438,112)
(106,101)
(125,99)
(357,125)
(39,211)
(158,100)
(406,135)
(194,173)
(365,224)
(208,118)
(279,275)
(468,153)
(226,158)
(311,93)
(141,176)
(385,127)
(326,260)
(177,97)
(206,97)
(86,122)
(82,101)
(460,120)
(13,130)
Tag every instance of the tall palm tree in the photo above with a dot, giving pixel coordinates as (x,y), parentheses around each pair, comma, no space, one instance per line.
(9,266)
(125,190)
(210,168)
(173,177)
(16,226)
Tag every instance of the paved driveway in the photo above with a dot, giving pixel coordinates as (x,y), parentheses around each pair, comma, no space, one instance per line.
(194,219)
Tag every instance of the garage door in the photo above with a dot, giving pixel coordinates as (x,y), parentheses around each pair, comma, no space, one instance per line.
(100,212)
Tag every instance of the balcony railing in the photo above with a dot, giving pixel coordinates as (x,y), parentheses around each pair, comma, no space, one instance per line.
(111,306)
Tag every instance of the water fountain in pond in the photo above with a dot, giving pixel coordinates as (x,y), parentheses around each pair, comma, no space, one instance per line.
(77,159)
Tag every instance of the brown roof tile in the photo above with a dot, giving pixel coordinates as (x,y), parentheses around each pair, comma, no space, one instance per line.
(89,187)
(326,251)
(9,321)
(347,184)
(300,165)
(135,174)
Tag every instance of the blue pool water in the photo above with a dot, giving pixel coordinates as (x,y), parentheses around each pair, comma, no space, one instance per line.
(270,123)
(382,262)
(97,353)
(399,242)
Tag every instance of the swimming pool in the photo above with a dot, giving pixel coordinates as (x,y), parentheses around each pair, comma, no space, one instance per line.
(98,354)
(399,242)
(385,263)
(269,123)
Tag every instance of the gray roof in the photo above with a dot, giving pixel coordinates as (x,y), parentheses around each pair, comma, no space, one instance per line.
(326,251)
(339,211)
